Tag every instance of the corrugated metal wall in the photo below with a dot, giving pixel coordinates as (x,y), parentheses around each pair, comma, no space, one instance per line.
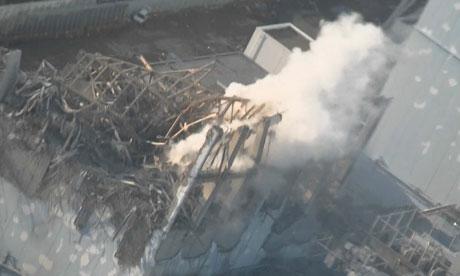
(56,18)
(51,19)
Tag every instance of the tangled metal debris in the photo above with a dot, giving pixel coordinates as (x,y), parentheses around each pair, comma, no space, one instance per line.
(113,122)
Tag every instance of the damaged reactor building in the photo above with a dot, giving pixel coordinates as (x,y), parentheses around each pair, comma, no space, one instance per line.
(87,129)
(90,183)
(85,149)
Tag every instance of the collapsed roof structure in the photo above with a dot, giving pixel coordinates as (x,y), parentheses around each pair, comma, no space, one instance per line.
(106,125)
(96,136)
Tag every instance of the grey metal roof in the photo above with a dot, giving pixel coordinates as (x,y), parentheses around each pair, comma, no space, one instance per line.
(226,69)
(419,135)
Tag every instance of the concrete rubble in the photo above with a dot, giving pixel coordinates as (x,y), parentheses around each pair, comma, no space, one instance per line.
(103,126)
(88,186)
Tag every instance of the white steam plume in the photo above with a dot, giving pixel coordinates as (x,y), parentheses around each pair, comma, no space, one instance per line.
(187,147)
(322,92)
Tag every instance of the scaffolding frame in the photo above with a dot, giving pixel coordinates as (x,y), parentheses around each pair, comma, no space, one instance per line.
(417,253)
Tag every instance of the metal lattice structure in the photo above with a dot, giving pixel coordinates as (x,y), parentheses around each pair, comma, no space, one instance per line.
(115,121)
(416,251)
(125,108)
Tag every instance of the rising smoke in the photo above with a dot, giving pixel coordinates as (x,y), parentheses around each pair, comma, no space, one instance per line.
(183,149)
(321,93)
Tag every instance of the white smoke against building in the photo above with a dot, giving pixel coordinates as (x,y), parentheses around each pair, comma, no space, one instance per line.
(185,149)
(320,93)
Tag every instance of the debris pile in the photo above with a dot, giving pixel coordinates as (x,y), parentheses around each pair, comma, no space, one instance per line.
(120,110)
(104,126)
